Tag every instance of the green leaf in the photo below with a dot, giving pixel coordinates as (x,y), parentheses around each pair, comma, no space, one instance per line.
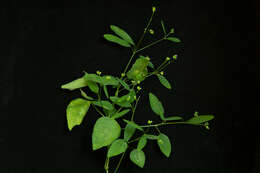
(124,84)
(151,137)
(120,32)
(156,105)
(104,104)
(173,118)
(137,157)
(93,87)
(129,132)
(133,124)
(120,114)
(105,91)
(78,83)
(76,112)
(117,147)
(83,94)
(163,27)
(164,144)
(200,119)
(117,40)
(109,80)
(150,64)
(139,70)
(105,131)
(174,39)
(142,142)
(119,102)
(164,81)
(93,78)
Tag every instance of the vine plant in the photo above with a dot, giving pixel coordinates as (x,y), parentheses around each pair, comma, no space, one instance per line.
(124,100)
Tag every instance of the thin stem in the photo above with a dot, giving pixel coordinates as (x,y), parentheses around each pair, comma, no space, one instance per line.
(119,163)
(145,30)
(158,129)
(98,110)
(165,123)
(133,113)
(151,44)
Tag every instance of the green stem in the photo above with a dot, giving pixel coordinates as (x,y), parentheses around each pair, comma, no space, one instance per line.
(145,30)
(151,44)
(98,110)
(133,113)
(119,163)
(169,123)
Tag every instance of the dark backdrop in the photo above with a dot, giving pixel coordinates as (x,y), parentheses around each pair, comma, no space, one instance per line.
(46,44)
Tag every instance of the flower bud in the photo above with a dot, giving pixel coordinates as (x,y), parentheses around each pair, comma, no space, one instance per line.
(139,88)
(98,72)
(149,122)
(167,58)
(161,73)
(151,31)
(123,74)
(154,9)
(174,57)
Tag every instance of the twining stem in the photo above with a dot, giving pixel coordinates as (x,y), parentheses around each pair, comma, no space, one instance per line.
(106,166)
(119,163)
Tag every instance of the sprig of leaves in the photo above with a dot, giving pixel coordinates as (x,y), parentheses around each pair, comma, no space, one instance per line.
(107,132)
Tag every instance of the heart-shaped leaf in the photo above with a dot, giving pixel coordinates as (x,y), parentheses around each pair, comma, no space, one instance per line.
(76,112)
(78,83)
(120,32)
(164,81)
(117,147)
(137,157)
(117,40)
(105,131)
(164,144)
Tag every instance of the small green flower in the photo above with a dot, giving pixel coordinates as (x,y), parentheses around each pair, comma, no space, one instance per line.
(167,59)
(139,88)
(154,9)
(149,122)
(98,72)
(151,31)
(196,114)
(161,73)
(123,74)
(174,57)
(138,82)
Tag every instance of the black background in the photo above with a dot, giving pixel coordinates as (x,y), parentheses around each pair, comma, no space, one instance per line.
(46,44)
